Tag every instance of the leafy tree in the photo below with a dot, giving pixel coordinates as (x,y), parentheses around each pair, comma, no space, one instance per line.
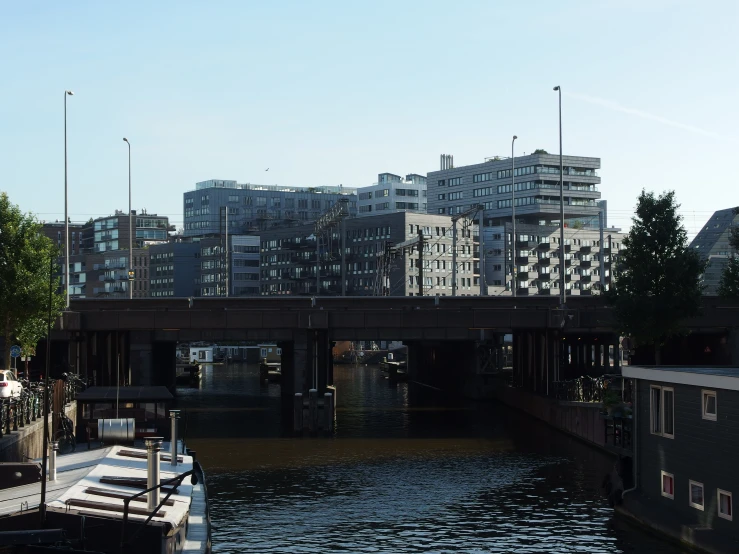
(577,224)
(25,264)
(657,281)
(728,286)
(540,151)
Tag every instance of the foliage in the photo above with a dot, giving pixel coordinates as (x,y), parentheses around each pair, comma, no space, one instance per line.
(25,265)
(734,233)
(657,277)
(540,151)
(728,286)
(577,224)
(611,398)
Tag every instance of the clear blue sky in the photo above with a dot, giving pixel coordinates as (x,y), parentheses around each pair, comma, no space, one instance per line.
(323,93)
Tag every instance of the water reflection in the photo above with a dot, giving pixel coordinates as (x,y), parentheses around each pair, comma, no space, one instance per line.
(408,470)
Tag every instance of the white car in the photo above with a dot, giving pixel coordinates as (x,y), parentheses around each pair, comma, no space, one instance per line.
(9,384)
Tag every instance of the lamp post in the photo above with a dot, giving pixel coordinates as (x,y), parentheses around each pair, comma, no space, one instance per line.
(131,273)
(562,297)
(513,217)
(66,215)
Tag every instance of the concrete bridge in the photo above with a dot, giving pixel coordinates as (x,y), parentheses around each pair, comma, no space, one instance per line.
(465,333)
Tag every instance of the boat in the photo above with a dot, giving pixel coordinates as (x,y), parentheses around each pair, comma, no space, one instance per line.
(270,371)
(188,375)
(121,494)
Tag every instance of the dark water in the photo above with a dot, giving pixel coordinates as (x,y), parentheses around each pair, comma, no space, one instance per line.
(407,470)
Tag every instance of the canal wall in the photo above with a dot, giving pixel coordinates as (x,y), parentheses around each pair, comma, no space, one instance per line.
(580,419)
(27,443)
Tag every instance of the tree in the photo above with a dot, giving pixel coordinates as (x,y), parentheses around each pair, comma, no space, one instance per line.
(540,151)
(657,278)
(729,284)
(25,264)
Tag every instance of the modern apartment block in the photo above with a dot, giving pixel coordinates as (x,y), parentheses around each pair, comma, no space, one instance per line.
(392,193)
(537,265)
(112,274)
(55,231)
(244,265)
(377,263)
(453,190)
(249,207)
(112,232)
(173,269)
(712,243)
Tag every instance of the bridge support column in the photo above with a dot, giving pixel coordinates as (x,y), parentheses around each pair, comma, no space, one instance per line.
(139,360)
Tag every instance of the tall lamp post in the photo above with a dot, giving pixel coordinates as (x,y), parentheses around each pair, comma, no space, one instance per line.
(562,297)
(131,274)
(66,215)
(513,217)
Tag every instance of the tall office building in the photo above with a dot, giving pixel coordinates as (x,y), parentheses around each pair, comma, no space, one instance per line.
(392,193)
(712,243)
(250,208)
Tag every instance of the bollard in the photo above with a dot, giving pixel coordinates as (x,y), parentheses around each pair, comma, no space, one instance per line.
(298,412)
(153,446)
(174,415)
(312,410)
(328,412)
(52,460)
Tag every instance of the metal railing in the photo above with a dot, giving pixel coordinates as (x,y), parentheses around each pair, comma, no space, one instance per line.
(592,389)
(19,411)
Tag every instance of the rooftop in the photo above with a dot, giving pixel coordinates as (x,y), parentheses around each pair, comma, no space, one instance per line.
(216,183)
(719,377)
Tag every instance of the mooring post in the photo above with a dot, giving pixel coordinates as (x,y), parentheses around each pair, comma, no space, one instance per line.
(328,412)
(298,412)
(313,410)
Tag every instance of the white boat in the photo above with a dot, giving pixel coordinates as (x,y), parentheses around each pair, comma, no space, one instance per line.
(96,502)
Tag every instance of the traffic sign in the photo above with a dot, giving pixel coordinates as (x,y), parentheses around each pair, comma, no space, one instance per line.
(15,351)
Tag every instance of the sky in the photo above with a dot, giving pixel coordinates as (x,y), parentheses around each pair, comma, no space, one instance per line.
(328,93)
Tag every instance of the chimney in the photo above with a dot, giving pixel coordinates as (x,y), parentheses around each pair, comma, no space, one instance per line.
(174,415)
(153,446)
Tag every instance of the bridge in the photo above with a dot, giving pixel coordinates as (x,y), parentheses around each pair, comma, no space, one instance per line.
(441,332)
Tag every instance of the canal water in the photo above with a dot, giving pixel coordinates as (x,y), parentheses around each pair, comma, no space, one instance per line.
(407,470)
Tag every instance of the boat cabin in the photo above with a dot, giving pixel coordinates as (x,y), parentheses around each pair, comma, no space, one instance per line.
(147,406)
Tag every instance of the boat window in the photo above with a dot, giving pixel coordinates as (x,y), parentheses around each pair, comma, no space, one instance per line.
(86,411)
(101,410)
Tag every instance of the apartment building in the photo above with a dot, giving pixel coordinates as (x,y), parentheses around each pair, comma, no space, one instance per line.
(381,258)
(712,243)
(537,266)
(393,193)
(219,205)
(112,233)
(536,177)
(111,270)
(173,269)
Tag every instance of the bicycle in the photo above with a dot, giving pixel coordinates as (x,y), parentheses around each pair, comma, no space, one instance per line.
(64,436)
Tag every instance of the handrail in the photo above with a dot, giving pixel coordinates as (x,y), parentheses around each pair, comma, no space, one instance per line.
(178,480)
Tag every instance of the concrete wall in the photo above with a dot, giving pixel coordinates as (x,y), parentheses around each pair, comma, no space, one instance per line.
(583,420)
(27,443)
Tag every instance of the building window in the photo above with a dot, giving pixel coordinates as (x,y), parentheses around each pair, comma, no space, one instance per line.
(725,506)
(668,485)
(696,495)
(709,404)
(662,411)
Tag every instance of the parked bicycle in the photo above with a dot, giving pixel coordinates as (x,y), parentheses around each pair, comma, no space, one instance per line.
(65,434)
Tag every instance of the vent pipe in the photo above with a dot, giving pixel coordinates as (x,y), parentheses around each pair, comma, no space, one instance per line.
(174,415)
(54,447)
(153,446)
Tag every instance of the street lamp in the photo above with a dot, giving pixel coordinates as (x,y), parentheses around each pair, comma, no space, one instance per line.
(513,217)
(66,215)
(561,209)
(131,273)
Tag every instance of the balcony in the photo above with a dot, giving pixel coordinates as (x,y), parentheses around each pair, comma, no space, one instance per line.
(306,261)
(544,261)
(526,275)
(586,278)
(545,245)
(586,249)
(586,263)
(523,260)
(572,277)
(527,243)
(545,276)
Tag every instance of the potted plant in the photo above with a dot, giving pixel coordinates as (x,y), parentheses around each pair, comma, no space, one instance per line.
(611,401)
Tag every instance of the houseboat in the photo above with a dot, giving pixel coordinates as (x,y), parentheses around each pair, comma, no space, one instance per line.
(685,451)
(128,491)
